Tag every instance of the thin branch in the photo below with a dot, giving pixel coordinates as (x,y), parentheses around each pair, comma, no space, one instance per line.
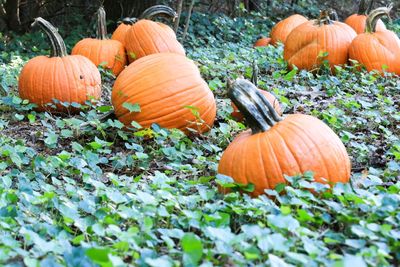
(187,24)
(179,10)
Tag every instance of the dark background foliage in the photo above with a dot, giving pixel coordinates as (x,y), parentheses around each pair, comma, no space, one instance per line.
(16,15)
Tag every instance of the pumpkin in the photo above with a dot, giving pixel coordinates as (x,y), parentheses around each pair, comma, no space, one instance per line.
(147,37)
(263,41)
(282,29)
(357,21)
(170,92)
(375,48)
(61,77)
(277,146)
(157,10)
(161,10)
(120,32)
(314,41)
(102,50)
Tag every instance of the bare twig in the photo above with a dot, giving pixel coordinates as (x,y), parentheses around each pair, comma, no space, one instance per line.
(179,10)
(187,24)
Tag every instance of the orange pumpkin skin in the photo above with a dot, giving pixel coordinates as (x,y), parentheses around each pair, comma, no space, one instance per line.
(270,97)
(357,22)
(383,49)
(375,48)
(60,77)
(297,144)
(307,42)
(108,52)
(164,85)
(157,10)
(147,37)
(282,29)
(167,29)
(264,41)
(67,79)
(101,50)
(120,33)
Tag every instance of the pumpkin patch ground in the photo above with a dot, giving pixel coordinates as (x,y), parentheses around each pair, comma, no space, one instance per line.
(89,186)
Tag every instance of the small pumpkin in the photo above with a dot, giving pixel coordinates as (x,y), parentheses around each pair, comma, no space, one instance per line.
(120,32)
(170,92)
(357,21)
(102,50)
(376,48)
(316,40)
(157,10)
(282,29)
(147,37)
(263,41)
(277,146)
(61,77)
(161,10)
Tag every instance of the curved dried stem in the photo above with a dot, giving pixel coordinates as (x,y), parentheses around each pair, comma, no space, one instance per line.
(58,48)
(158,10)
(260,115)
(375,15)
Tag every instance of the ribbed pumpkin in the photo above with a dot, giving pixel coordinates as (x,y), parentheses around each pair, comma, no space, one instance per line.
(120,32)
(102,50)
(164,11)
(263,41)
(358,21)
(158,10)
(375,48)
(169,90)
(282,29)
(306,44)
(60,77)
(146,37)
(277,146)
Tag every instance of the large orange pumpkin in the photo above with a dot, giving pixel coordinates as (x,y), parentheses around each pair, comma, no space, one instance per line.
(282,29)
(60,77)
(157,10)
(375,48)
(102,50)
(357,21)
(169,90)
(307,45)
(277,146)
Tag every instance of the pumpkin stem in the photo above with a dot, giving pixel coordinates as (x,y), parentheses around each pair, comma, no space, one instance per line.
(128,21)
(362,8)
(259,113)
(333,14)
(159,10)
(254,74)
(324,18)
(101,24)
(58,48)
(375,15)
